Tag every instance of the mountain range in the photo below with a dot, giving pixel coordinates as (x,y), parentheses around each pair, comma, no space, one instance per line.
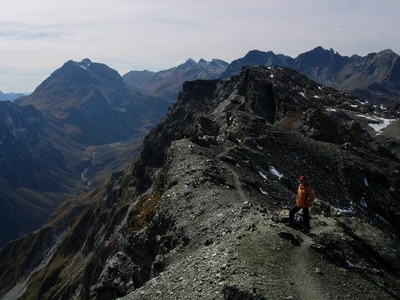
(200,212)
(9,96)
(232,143)
(77,127)
(374,77)
(166,84)
(86,105)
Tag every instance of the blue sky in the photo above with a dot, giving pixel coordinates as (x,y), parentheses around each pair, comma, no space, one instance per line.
(39,36)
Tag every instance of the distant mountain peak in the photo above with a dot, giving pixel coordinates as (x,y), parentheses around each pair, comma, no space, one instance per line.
(87,62)
(374,77)
(387,52)
(190,61)
(10,96)
(166,84)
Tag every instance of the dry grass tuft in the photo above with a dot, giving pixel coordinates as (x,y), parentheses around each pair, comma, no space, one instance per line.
(141,214)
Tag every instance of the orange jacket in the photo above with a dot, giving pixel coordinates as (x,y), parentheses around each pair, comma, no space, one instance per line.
(305,196)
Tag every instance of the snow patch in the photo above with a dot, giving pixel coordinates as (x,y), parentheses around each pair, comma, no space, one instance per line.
(379,123)
(382,219)
(275,172)
(302,94)
(349,265)
(262,175)
(349,211)
(263,192)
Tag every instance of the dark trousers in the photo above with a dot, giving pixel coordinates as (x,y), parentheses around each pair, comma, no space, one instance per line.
(306,216)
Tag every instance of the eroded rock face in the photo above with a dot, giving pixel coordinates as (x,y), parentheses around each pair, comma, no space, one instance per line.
(201,213)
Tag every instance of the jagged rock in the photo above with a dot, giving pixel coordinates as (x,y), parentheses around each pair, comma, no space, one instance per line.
(115,278)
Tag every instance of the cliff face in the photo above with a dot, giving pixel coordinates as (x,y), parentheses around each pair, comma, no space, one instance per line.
(201,213)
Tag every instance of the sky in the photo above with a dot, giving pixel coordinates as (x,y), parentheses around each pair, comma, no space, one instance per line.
(39,36)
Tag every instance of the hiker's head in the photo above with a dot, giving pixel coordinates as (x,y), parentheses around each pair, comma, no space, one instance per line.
(302,179)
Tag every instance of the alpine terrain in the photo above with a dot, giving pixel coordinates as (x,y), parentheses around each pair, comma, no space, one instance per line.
(93,104)
(201,212)
(374,77)
(68,136)
(166,84)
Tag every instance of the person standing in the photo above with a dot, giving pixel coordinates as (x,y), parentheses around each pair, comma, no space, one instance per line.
(305,195)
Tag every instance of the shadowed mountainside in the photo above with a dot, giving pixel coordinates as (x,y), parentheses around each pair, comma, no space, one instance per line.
(81,124)
(35,175)
(93,104)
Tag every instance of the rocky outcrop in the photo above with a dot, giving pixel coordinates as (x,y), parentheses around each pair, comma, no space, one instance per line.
(372,77)
(201,212)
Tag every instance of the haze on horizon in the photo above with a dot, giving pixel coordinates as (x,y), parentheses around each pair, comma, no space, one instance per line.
(38,37)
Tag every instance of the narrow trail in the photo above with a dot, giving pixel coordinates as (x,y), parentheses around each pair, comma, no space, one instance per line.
(237,183)
(301,272)
(235,176)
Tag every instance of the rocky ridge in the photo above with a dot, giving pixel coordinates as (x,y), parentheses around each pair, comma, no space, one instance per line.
(201,213)
(229,190)
(373,77)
